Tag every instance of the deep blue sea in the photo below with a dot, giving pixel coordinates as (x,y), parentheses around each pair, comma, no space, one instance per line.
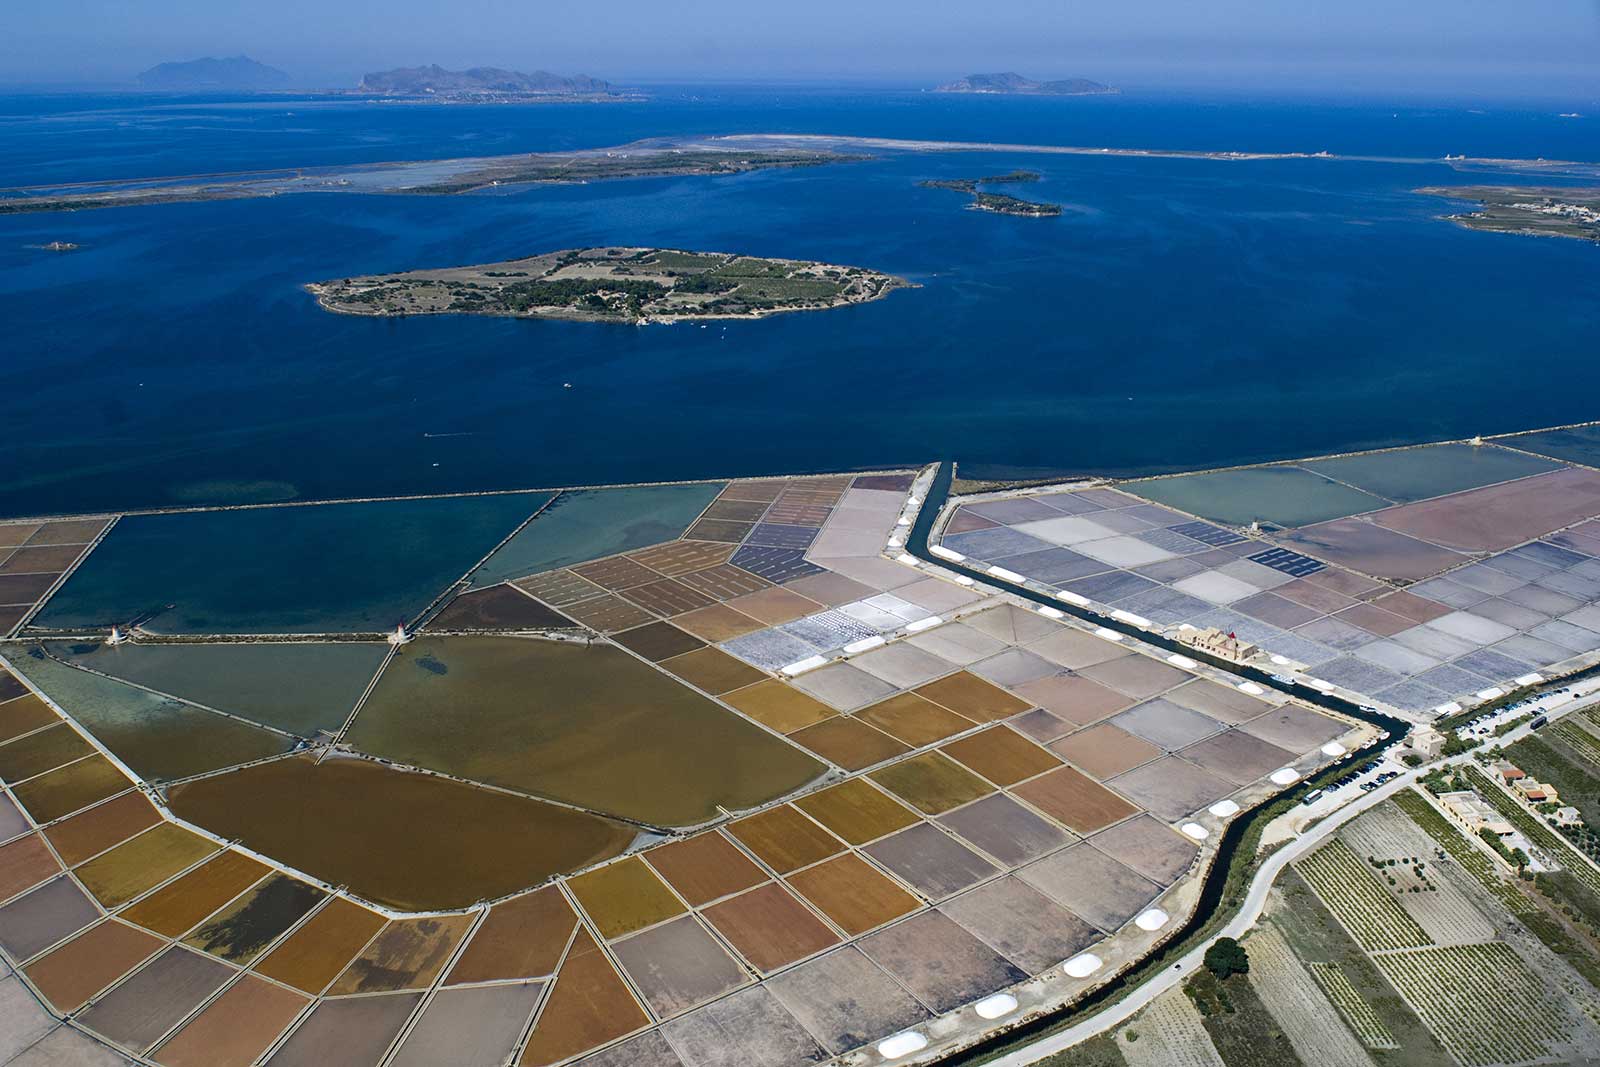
(1180,314)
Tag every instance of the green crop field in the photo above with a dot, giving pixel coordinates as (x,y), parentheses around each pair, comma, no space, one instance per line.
(1482,1001)
(1581,741)
(1359,900)
(1336,986)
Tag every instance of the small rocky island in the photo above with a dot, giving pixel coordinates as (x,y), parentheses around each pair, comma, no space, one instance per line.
(1013,84)
(626,285)
(1000,203)
(1528,210)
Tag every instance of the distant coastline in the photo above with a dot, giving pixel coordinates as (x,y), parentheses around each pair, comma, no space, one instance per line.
(1010,83)
(484,85)
(1528,211)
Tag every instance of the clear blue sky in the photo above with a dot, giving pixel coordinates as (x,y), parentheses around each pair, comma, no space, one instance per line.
(1526,47)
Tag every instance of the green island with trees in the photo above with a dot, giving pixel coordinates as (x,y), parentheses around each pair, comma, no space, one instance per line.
(625,285)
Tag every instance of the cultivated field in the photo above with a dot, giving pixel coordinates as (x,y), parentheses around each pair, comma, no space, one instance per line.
(1339,990)
(1482,1001)
(1170,1033)
(1574,735)
(1468,856)
(1385,836)
(1308,1019)
(1359,900)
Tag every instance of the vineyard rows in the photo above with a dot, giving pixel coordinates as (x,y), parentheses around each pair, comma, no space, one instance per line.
(1386,836)
(1306,1017)
(1467,855)
(1481,1001)
(1336,986)
(1579,740)
(1359,901)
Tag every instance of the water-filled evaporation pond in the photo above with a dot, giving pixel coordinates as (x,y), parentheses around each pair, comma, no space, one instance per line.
(399,838)
(1420,473)
(586,724)
(587,524)
(300,686)
(1580,444)
(328,568)
(158,737)
(1285,495)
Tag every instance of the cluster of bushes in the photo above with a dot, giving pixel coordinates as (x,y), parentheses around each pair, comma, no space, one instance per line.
(592,292)
(704,283)
(1443,780)
(1514,856)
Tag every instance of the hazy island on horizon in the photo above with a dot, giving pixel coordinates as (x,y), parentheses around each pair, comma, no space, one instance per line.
(612,284)
(1011,83)
(478,83)
(233,72)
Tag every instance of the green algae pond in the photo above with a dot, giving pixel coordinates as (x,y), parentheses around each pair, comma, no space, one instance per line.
(300,687)
(159,738)
(326,568)
(400,838)
(586,724)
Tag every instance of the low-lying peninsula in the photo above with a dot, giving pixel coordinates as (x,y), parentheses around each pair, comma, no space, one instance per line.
(442,177)
(999,203)
(626,285)
(1533,211)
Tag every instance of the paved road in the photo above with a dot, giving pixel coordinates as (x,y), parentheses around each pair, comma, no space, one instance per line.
(1555,707)
(1255,902)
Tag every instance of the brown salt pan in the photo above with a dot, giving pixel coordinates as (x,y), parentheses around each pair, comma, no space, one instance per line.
(235,1028)
(520,938)
(91,832)
(88,963)
(177,906)
(323,946)
(408,954)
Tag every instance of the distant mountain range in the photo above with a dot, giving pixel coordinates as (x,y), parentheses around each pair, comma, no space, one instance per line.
(480,81)
(1013,83)
(235,72)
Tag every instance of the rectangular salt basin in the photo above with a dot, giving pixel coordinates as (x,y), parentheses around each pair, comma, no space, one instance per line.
(326,568)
